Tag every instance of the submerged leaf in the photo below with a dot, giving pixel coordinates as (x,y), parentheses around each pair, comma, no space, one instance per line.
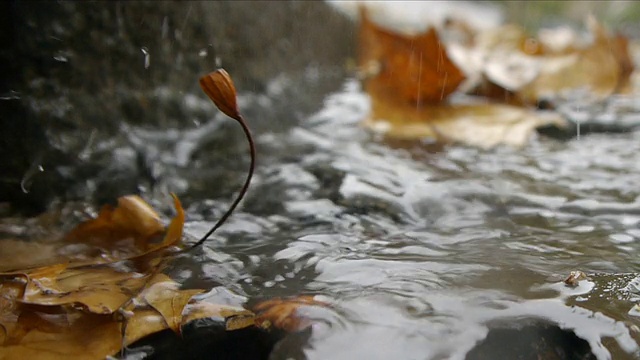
(284,313)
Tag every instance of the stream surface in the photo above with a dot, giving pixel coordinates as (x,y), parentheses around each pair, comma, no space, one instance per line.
(419,248)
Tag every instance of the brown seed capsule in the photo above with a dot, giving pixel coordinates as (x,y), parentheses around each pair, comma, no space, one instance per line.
(220,89)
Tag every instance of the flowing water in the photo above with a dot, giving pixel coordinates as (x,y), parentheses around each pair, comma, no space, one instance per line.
(419,248)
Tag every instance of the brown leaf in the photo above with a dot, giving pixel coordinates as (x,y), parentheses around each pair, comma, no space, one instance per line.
(98,289)
(60,336)
(174,231)
(283,313)
(412,68)
(167,298)
(132,219)
(482,125)
(220,89)
(234,317)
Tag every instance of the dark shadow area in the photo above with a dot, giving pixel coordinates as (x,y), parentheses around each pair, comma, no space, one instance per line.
(531,340)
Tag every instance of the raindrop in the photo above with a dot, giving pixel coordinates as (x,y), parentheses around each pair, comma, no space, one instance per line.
(27,179)
(218,61)
(419,83)
(86,152)
(60,57)
(165,27)
(203,53)
(147,56)
(11,95)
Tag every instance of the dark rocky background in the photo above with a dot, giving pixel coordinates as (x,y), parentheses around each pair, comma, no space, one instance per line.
(75,71)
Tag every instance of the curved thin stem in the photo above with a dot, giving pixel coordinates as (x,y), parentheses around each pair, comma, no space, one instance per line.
(243,190)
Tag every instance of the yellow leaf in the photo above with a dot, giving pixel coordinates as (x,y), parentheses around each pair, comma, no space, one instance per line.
(99,289)
(60,336)
(482,125)
(234,317)
(169,301)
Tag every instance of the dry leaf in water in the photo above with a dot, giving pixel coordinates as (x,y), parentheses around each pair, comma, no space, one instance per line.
(413,68)
(234,318)
(131,229)
(100,290)
(548,66)
(482,125)
(132,218)
(166,297)
(284,313)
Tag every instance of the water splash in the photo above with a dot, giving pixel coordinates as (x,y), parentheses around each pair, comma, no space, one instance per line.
(27,178)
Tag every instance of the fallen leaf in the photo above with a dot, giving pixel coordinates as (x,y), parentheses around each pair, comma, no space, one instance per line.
(133,217)
(60,336)
(174,231)
(166,297)
(20,254)
(98,289)
(482,125)
(594,68)
(412,68)
(284,313)
(547,66)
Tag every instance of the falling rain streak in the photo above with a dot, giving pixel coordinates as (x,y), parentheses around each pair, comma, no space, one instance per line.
(147,57)
(27,179)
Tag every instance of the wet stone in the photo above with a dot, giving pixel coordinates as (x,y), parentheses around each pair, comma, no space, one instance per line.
(530,340)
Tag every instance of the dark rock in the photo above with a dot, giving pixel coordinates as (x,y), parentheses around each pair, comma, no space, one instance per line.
(206,339)
(531,340)
(76,71)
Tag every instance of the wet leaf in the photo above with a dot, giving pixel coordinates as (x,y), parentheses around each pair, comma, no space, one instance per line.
(60,336)
(174,231)
(167,298)
(547,66)
(412,68)
(482,125)
(284,313)
(100,290)
(20,254)
(132,218)
(234,317)
(413,77)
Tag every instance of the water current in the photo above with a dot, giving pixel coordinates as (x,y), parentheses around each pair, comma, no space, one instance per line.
(422,248)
